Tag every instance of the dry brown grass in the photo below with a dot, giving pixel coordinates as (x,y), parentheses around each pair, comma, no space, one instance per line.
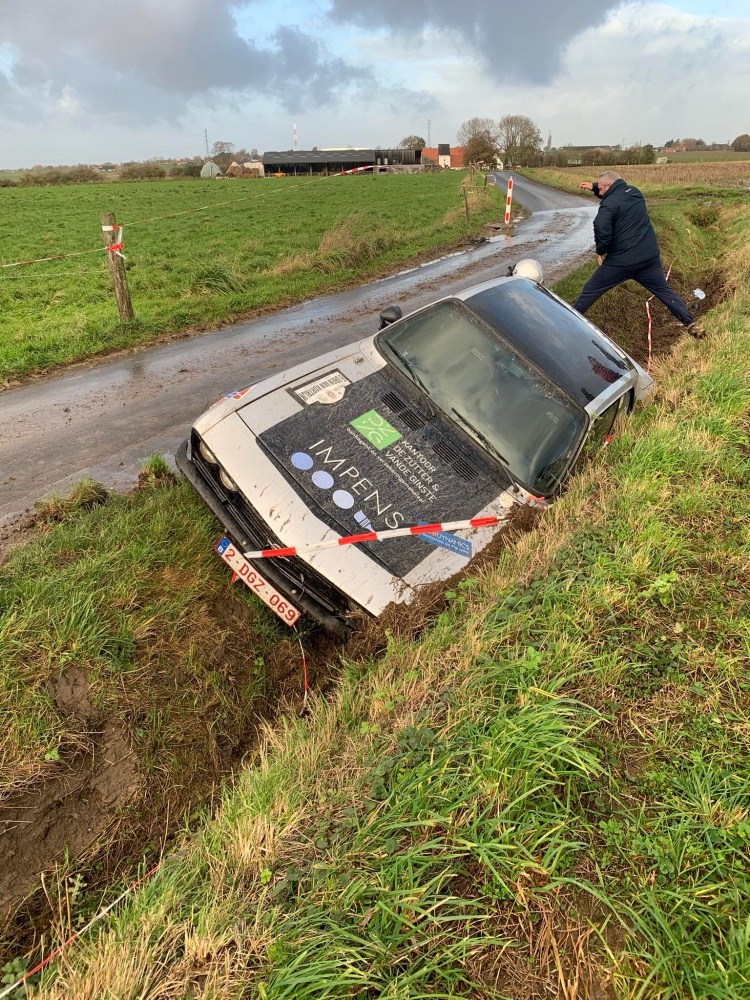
(730,173)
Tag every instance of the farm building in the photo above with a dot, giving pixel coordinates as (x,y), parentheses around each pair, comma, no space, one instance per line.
(333,161)
(209,170)
(444,155)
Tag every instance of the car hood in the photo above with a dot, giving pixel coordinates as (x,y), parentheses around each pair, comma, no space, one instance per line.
(373,454)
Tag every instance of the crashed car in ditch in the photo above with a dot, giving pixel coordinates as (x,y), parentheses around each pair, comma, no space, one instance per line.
(461,410)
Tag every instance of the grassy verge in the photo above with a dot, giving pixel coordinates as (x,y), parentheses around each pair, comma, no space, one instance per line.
(546,791)
(278,242)
(132,678)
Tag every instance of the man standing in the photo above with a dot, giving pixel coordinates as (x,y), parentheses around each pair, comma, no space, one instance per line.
(627,248)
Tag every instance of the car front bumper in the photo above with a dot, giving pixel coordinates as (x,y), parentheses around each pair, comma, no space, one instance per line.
(306,589)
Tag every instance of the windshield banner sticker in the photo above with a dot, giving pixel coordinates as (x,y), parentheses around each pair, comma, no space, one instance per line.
(329,389)
(375,429)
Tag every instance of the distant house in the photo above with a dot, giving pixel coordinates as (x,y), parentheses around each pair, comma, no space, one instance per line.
(444,155)
(209,170)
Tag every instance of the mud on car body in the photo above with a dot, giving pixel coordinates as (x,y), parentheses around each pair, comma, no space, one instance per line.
(463,409)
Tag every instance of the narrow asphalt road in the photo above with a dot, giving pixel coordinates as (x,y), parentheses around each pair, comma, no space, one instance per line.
(102,419)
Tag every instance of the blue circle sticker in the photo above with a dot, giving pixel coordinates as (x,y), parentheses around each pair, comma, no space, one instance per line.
(301,460)
(343,499)
(323,480)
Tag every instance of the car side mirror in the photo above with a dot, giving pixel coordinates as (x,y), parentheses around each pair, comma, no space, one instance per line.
(389,315)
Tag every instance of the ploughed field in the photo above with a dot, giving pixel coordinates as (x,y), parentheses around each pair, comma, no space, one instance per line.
(277,241)
(717,178)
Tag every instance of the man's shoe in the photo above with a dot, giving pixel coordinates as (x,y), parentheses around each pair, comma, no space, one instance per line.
(696,330)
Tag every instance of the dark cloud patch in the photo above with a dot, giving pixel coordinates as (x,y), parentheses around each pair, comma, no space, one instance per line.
(521,40)
(145,60)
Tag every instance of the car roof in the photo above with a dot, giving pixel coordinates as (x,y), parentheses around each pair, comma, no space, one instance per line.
(554,337)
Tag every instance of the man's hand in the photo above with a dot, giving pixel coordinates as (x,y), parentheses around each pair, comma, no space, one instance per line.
(600,259)
(586,186)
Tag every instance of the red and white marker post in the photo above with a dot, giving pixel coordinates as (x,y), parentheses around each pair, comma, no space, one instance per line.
(508,200)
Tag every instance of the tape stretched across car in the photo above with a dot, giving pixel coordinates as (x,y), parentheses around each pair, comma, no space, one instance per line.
(463,409)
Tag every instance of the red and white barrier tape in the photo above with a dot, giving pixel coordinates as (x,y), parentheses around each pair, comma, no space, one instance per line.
(354,170)
(508,200)
(74,937)
(377,536)
(117,246)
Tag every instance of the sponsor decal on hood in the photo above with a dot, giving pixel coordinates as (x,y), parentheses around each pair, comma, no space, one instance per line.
(379,458)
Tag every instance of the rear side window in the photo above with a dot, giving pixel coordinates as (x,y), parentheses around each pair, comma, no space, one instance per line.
(601,428)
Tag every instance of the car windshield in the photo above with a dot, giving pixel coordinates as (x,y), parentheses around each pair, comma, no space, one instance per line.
(478,380)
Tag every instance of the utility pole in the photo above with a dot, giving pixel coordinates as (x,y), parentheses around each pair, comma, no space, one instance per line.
(294,133)
(429,133)
(205,136)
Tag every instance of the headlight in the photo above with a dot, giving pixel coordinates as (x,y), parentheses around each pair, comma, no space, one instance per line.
(207,453)
(227,481)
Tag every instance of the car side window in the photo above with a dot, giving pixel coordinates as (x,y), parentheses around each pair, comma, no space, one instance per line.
(601,428)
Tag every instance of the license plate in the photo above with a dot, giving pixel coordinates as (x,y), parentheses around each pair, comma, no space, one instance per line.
(278,604)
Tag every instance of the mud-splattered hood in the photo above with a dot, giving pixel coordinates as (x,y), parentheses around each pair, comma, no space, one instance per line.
(378,457)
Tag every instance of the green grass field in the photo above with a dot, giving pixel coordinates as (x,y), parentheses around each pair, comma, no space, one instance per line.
(281,241)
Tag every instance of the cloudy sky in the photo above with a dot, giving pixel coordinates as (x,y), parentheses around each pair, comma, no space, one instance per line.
(106,81)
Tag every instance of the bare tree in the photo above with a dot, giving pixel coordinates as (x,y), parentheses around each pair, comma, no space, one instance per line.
(480,149)
(519,140)
(742,143)
(221,153)
(412,142)
(474,127)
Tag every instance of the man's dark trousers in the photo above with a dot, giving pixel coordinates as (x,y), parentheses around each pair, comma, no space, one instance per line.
(649,274)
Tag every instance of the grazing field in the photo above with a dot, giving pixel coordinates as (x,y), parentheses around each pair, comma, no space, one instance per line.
(658,179)
(539,790)
(277,242)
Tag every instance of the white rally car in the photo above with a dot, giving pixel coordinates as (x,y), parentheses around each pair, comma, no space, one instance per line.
(463,409)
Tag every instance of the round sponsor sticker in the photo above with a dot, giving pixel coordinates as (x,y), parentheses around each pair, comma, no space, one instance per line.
(323,480)
(301,460)
(343,499)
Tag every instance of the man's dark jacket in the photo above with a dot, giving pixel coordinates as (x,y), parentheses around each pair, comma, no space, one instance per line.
(622,228)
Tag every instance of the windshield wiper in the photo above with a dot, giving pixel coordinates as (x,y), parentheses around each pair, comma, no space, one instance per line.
(488,445)
(409,368)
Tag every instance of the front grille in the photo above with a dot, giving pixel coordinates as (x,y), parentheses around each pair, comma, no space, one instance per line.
(302,579)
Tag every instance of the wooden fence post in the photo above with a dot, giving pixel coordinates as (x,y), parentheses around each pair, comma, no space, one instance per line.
(116,267)
(466,202)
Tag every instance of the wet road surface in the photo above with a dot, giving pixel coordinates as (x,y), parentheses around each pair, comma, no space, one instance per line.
(101,420)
